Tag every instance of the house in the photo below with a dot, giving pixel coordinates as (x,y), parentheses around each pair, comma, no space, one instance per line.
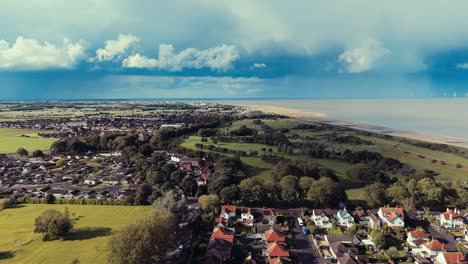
(366,218)
(451,258)
(417,237)
(272,235)
(450,219)
(276,250)
(344,218)
(228,212)
(247,217)
(92,181)
(430,249)
(57,193)
(321,219)
(111,180)
(220,243)
(191,161)
(348,260)
(392,216)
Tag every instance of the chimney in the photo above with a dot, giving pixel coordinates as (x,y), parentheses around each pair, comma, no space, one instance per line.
(448,209)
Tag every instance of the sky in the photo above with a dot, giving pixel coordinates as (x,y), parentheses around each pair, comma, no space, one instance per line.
(116,49)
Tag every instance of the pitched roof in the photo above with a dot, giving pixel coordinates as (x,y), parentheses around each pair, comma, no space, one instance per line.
(391,213)
(223,233)
(434,245)
(279,261)
(454,258)
(273,235)
(228,208)
(452,213)
(277,249)
(418,233)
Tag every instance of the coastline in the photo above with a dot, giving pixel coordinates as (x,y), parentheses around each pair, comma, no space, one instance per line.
(322,118)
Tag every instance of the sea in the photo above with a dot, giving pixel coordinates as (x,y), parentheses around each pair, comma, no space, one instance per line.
(441,120)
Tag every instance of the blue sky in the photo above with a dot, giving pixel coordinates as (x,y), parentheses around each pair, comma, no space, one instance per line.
(51,49)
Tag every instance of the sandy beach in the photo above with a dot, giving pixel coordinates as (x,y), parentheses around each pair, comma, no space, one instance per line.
(323,118)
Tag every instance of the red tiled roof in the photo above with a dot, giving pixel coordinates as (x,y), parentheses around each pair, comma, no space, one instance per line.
(272,235)
(276,249)
(454,258)
(228,208)
(224,233)
(419,233)
(453,213)
(434,245)
(391,213)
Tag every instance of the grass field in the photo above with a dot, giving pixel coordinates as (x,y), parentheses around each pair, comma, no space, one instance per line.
(94,224)
(13,138)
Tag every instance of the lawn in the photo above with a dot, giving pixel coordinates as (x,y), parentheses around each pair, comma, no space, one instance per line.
(94,224)
(13,138)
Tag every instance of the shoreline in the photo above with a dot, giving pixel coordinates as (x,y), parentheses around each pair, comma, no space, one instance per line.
(322,118)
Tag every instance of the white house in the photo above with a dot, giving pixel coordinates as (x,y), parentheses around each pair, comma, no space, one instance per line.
(392,216)
(246,217)
(417,237)
(344,218)
(430,249)
(321,219)
(450,219)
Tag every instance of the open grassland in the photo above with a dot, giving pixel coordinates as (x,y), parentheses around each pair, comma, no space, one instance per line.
(93,226)
(13,138)
(450,166)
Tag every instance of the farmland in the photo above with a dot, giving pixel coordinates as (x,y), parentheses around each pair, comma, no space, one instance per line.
(93,226)
(12,138)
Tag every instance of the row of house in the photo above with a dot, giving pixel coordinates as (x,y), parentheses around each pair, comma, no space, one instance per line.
(267,239)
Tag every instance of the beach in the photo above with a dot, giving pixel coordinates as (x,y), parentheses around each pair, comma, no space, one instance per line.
(410,129)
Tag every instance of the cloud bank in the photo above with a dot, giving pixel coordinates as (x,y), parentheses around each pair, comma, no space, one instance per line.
(364,57)
(114,48)
(30,54)
(220,58)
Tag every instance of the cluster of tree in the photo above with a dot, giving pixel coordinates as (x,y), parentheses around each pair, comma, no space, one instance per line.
(271,138)
(423,193)
(207,132)
(285,148)
(386,238)
(302,168)
(243,131)
(24,153)
(348,139)
(6,202)
(53,224)
(224,150)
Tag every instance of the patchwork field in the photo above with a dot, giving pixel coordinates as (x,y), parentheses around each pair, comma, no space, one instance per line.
(93,226)
(13,138)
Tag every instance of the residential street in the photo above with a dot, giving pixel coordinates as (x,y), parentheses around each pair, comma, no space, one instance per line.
(305,249)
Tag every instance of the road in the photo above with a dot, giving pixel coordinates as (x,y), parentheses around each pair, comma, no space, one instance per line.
(414,222)
(305,249)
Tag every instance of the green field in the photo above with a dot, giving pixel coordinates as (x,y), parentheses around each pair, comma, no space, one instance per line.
(94,224)
(13,138)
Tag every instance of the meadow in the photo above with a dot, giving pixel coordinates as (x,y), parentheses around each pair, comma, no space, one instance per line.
(13,138)
(93,226)
(450,167)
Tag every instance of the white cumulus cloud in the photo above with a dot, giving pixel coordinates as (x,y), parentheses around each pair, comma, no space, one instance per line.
(114,48)
(220,58)
(139,61)
(363,58)
(30,54)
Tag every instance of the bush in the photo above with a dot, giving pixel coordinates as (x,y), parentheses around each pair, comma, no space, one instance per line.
(53,224)
(38,153)
(22,152)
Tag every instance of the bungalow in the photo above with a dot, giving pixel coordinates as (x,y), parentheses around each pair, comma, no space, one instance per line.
(417,237)
(246,217)
(111,180)
(57,193)
(344,218)
(392,216)
(321,219)
(450,219)
(92,181)
(451,258)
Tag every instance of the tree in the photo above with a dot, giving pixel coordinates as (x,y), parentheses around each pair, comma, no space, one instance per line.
(429,193)
(53,224)
(209,203)
(38,153)
(230,194)
(142,194)
(170,202)
(398,193)
(145,242)
(289,186)
(49,199)
(189,185)
(375,195)
(393,252)
(305,183)
(327,192)
(220,180)
(22,152)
